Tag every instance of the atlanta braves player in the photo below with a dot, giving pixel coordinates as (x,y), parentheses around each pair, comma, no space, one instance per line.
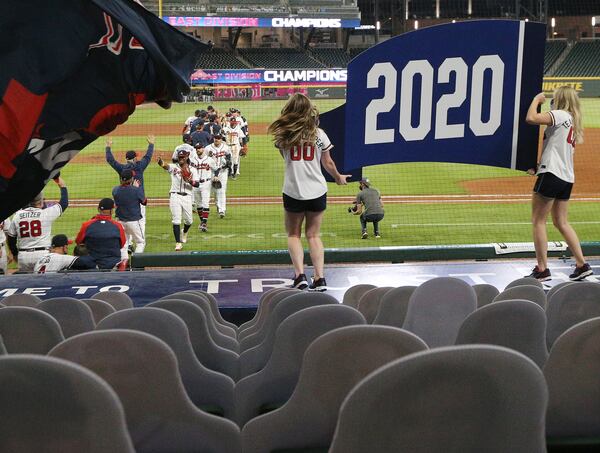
(4,258)
(30,230)
(221,153)
(183,178)
(207,170)
(233,136)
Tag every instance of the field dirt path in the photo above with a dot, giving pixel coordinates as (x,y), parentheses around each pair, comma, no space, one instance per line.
(129,130)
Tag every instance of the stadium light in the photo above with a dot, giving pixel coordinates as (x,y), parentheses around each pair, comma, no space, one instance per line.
(526,20)
(593,21)
(416,24)
(453,21)
(470,7)
(437,9)
(378,25)
(553,22)
(593,26)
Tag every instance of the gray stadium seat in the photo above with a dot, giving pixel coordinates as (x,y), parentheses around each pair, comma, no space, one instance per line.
(333,364)
(119,301)
(571,305)
(556,288)
(572,373)
(100,309)
(21,300)
(2,347)
(454,399)
(353,294)
(216,312)
(143,371)
(259,309)
(55,406)
(527,292)
(370,301)
(222,326)
(74,316)
(513,324)
(524,281)
(222,339)
(207,389)
(28,330)
(207,351)
(393,307)
(273,385)
(437,308)
(485,294)
(254,359)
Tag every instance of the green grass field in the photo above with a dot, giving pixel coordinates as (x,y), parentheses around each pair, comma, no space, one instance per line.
(424,220)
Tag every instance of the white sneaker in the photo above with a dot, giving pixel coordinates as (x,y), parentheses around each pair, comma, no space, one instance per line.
(184,236)
(178,246)
(222,214)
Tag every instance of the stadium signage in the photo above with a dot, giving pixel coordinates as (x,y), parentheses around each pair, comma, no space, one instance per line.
(438,95)
(263,22)
(307,75)
(212,76)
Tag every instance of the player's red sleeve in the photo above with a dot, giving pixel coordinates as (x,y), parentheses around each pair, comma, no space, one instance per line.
(80,239)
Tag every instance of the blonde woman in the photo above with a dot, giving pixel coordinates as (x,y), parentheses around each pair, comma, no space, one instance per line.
(555,177)
(304,147)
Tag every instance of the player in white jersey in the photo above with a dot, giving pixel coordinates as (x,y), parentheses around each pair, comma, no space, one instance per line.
(304,147)
(58,258)
(183,178)
(207,172)
(4,258)
(233,137)
(188,123)
(553,187)
(30,230)
(221,153)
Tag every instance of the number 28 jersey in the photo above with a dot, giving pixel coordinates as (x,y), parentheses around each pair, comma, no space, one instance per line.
(33,226)
(303,178)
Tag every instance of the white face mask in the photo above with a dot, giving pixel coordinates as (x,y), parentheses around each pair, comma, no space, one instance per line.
(552,104)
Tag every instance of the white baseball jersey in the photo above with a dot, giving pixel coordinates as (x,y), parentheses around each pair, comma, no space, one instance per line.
(3,226)
(233,135)
(178,185)
(205,166)
(53,262)
(559,147)
(219,154)
(188,123)
(303,178)
(33,226)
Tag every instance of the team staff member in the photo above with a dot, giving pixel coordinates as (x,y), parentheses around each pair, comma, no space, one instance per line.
(200,138)
(221,154)
(183,178)
(369,199)
(552,190)
(59,259)
(304,147)
(129,199)
(104,237)
(136,166)
(30,230)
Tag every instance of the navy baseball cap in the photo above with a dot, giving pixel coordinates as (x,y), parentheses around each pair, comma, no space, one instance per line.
(130,155)
(60,240)
(126,175)
(365,182)
(217,135)
(106,204)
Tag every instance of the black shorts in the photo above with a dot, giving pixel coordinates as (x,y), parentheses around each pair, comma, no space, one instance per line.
(551,186)
(315,205)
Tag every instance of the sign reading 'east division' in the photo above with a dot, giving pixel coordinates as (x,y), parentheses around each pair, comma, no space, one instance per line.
(449,93)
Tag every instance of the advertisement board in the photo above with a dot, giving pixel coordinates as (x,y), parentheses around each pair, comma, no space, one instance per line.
(260,22)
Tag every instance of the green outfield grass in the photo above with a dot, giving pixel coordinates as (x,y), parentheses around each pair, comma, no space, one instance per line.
(250,227)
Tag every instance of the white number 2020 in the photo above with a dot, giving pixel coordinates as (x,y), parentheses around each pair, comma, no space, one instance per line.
(422,68)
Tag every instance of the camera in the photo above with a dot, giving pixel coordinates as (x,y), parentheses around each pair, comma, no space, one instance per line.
(352,209)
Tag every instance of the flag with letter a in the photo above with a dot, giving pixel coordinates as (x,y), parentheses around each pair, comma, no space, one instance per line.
(71,71)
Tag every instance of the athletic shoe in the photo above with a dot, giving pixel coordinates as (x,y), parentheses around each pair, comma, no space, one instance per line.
(184,237)
(222,214)
(203,228)
(178,246)
(318,285)
(365,235)
(581,272)
(377,236)
(541,276)
(300,282)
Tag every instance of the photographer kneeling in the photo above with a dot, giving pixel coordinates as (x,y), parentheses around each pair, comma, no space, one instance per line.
(369,206)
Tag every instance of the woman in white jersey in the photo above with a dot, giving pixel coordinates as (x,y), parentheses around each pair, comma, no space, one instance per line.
(555,174)
(304,147)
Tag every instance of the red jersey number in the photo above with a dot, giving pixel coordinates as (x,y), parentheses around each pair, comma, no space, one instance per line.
(307,152)
(570,138)
(31,229)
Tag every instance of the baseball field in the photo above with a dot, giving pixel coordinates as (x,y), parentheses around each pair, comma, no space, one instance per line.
(425,203)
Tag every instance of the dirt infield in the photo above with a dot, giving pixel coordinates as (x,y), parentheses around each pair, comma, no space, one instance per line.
(128,130)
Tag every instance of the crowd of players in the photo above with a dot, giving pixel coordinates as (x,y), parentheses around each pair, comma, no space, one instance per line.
(201,166)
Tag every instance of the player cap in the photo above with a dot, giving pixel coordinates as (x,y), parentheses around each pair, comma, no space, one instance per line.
(217,135)
(131,154)
(126,175)
(106,204)
(365,182)
(60,240)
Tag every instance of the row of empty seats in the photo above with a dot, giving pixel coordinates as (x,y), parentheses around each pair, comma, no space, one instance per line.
(218,58)
(282,377)
(552,52)
(582,61)
(279,58)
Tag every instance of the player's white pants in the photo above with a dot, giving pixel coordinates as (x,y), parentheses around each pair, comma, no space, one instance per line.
(3,259)
(202,195)
(235,155)
(27,260)
(143,219)
(135,231)
(181,204)
(221,194)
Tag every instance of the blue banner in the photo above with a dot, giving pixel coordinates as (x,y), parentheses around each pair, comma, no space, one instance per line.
(450,93)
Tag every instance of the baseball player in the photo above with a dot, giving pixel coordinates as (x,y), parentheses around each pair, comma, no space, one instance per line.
(183,178)
(129,198)
(188,123)
(59,259)
(221,154)
(4,258)
(244,125)
(208,171)
(233,135)
(30,230)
